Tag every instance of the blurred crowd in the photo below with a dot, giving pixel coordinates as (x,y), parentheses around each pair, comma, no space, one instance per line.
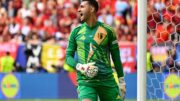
(33,22)
(163,30)
(54,19)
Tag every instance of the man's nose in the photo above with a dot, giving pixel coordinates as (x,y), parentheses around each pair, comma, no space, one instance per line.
(79,10)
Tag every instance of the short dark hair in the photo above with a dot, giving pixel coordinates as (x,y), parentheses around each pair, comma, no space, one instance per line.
(93,3)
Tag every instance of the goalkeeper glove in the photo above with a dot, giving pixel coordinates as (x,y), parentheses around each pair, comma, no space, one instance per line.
(122,87)
(88,69)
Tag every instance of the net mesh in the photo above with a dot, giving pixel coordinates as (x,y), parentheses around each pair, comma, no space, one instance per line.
(163,50)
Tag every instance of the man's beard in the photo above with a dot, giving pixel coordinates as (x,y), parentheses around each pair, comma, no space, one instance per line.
(83,18)
(80,21)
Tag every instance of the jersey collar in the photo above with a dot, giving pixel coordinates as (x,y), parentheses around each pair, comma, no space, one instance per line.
(92,26)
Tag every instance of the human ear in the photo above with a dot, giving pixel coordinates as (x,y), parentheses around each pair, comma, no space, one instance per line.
(92,9)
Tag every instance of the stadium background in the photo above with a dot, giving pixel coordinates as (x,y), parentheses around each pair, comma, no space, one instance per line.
(35,33)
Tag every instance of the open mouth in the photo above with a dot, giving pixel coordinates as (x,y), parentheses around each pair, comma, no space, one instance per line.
(81,14)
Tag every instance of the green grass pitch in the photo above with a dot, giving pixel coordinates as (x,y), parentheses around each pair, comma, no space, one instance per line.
(50,100)
(71,100)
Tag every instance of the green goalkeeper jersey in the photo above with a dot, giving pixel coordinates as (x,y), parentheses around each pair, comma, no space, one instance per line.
(94,44)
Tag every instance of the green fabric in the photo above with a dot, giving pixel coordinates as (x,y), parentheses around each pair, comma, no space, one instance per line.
(7,64)
(104,93)
(85,92)
(94,44)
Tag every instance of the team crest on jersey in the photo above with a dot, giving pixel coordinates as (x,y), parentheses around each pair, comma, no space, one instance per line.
(100,35)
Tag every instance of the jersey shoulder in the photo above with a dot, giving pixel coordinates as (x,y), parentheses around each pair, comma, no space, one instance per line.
(76,29)
(108,28)
(81,29)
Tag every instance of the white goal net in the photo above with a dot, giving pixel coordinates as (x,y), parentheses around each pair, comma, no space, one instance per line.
(163,50)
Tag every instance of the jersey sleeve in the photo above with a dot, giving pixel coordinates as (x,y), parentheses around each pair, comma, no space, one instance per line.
(115,53)
(71,49)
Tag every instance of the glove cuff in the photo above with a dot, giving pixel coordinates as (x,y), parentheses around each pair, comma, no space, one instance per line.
(122,81)
(78,66)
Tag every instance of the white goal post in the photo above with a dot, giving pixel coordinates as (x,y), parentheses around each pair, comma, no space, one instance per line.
(141,50)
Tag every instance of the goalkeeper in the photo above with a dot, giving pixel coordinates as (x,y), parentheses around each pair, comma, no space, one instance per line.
(94,42)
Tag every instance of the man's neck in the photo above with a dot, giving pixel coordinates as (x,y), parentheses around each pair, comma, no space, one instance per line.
(92,21)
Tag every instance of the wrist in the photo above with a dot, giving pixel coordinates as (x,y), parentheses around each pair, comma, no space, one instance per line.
(122,81)
(78,66)
(82,68)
